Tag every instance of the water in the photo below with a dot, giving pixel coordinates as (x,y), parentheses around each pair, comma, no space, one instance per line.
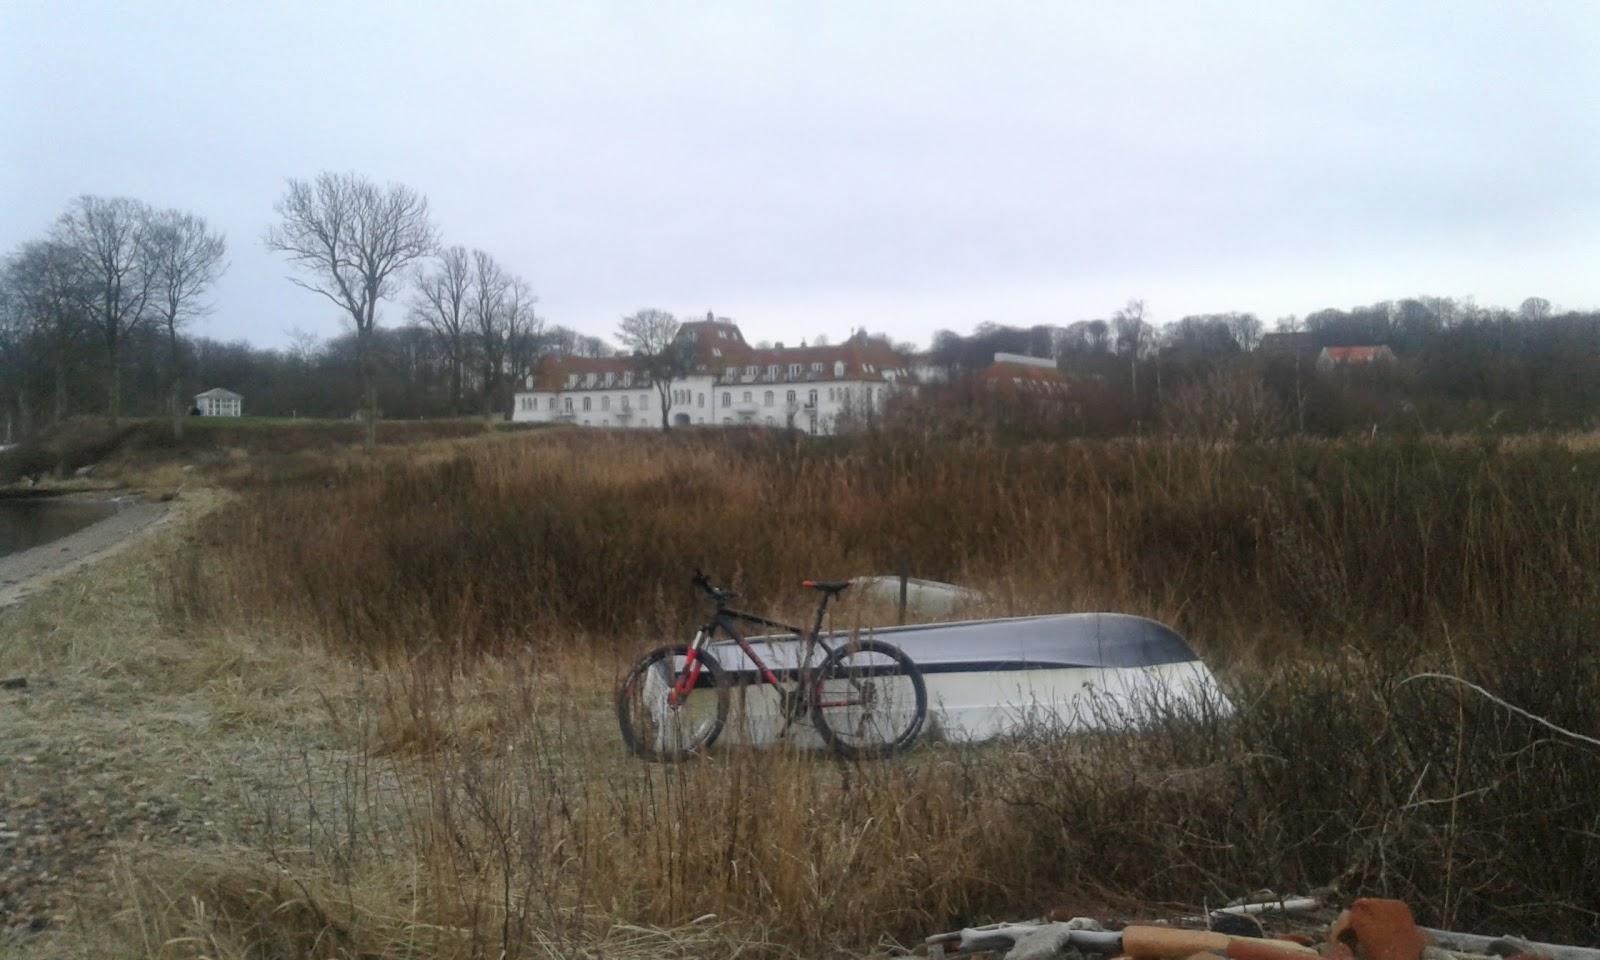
(30,522)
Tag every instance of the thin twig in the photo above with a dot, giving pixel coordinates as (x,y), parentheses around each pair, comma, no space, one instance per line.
(1509,706)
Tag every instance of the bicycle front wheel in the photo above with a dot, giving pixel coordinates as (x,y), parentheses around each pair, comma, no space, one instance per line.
(869,700)
(656,728)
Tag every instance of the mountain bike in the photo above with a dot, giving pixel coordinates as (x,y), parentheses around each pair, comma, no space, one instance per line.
(866,698)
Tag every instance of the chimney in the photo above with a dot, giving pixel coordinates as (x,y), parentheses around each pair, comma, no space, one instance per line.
(779,345)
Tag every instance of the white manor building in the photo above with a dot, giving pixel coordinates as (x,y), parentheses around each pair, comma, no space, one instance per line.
(814,389)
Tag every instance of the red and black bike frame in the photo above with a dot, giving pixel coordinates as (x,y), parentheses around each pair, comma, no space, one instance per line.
(723,620)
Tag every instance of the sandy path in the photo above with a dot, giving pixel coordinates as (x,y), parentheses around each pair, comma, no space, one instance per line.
(28,571)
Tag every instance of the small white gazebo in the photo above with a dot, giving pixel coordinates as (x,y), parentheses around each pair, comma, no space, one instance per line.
(218,402)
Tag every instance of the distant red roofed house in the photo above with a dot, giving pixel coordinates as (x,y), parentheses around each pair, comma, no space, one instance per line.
(1367,356)
(1017,373)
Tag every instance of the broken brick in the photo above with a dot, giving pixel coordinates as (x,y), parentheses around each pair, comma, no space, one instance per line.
(1379,930)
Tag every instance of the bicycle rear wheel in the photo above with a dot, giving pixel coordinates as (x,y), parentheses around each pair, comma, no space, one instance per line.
(655,728)
(869,700)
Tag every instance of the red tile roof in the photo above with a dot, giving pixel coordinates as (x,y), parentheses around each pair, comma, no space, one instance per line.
(1357,354)
(719,349)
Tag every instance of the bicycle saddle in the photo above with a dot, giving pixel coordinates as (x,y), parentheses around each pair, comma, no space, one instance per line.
(834,587)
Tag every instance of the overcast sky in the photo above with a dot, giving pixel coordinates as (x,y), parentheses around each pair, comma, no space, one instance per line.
(810,168)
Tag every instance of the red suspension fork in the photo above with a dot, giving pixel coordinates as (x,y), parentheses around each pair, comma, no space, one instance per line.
(691,672)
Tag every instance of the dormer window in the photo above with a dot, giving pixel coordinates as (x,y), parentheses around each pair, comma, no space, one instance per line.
(772,372)
(588,379)
(572,380)
(816,367)
(716,351)
(838,368)
(794,370)
(750,371)
(610,378)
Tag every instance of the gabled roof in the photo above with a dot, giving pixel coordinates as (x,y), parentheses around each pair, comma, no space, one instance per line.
(1017,371)
(553,371)
(719,349)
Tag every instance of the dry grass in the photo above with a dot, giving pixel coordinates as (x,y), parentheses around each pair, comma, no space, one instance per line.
(552,540)
(495,590)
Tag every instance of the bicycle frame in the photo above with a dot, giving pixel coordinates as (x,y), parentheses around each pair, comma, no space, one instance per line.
(723,620)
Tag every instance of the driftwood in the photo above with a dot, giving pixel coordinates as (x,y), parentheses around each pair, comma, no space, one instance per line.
(1041,940)
(1508,946)
(1035,939)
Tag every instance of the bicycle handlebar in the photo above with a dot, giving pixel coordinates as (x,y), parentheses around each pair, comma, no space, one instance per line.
(717,594)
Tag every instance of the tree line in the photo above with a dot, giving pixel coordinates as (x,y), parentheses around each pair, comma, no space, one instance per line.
(1458,366)
(111,272)
(98,315)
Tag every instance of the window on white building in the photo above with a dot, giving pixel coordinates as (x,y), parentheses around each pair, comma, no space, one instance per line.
(700,400)
(566,404)
(605,403)
(811,401)
(747,396)
(585,406)
(767,399)
(790,398)
(553,403)
(624,404)
(727,399)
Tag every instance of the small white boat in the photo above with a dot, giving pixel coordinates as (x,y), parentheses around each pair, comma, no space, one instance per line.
(989,679)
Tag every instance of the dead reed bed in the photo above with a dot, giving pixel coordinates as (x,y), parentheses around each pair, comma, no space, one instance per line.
(540,541)
(499,588)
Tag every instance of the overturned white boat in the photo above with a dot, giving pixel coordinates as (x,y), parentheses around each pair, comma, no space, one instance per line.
(988,679)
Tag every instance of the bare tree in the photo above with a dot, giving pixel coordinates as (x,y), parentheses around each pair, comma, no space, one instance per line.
(352,239)
(524,327)
(110,239)
(1535,308)
(1246,329)
(441,304)
(653,335)
(487,308)
(187,258)
(50,301)
(1134,336)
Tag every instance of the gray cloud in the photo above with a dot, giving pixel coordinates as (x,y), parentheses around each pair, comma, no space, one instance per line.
(809,168)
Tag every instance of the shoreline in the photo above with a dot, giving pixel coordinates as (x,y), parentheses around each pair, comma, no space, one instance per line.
(26,572)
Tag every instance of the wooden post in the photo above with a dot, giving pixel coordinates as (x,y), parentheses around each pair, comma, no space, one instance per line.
(902,597)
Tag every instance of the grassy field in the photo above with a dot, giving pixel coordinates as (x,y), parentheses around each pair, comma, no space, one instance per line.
(465,606)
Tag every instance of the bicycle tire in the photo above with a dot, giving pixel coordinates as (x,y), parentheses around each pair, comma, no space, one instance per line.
(634,708)
(887,660)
